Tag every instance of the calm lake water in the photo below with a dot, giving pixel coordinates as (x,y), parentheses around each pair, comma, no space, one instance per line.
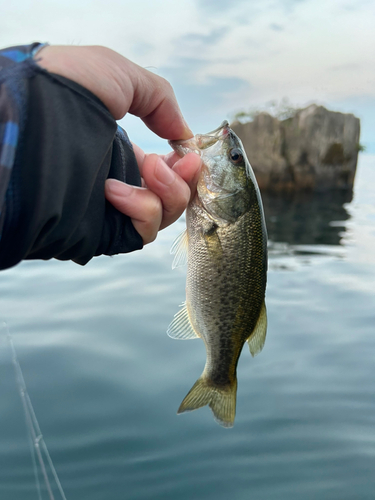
(106,381)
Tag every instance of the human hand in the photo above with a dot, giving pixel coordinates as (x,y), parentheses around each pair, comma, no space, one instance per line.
(169,183)
(122,86)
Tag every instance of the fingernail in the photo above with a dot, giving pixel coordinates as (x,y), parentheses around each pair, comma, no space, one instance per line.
(188,132)
(164,174)
(118,188)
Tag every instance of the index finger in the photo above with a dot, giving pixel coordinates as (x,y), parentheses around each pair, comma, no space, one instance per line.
(155,103)
(121,85)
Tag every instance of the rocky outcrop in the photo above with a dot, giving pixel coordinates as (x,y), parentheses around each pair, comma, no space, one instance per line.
(316,149)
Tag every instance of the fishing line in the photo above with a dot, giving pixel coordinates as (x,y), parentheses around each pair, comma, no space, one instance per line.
(37,444)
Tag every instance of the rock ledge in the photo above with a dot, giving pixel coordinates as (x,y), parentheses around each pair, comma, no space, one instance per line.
(316,149)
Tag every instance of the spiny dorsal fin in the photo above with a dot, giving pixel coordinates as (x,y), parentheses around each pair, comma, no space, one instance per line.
(258,335)
(179,249)
(181,327)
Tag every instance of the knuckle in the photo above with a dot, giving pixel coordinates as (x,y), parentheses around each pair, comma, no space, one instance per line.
(164,88)
(149,232)
(165,84)
(184,198)
(152,237)
(178,202)
(154,209)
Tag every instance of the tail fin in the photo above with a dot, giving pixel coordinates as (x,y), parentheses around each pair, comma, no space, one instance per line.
(221,400)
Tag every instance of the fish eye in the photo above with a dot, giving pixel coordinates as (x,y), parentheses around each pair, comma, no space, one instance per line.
(235,156)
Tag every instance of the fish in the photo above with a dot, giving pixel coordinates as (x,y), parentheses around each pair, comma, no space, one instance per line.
(225,248)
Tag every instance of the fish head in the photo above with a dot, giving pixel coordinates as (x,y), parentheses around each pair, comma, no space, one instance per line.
(227,183)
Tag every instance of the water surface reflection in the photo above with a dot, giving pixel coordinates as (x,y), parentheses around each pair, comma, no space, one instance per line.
(306,224)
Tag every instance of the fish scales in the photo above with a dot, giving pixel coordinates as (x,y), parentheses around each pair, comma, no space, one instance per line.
(226,277)
(234,297)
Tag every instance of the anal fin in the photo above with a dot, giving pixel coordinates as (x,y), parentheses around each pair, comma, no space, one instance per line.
(181,327)
(258,335)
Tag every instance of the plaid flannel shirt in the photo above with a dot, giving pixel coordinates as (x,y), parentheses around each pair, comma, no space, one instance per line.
(16,63)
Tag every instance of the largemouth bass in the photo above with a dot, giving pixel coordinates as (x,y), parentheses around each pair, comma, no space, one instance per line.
(225,246)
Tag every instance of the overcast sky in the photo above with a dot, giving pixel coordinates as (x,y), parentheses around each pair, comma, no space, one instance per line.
(222,56)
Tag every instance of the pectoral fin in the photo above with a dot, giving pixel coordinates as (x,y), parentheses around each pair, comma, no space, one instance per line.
(179,249)
(212,241)
(258,335)
(181,327)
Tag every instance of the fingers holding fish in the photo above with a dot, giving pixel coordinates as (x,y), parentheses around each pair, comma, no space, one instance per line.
(172,185)
(140,204)
(164,196)
(188,168)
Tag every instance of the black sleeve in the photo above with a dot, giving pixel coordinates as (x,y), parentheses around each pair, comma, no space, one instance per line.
(55,205)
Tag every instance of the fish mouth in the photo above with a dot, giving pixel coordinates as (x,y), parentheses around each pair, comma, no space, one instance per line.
(200,141)
(204,141)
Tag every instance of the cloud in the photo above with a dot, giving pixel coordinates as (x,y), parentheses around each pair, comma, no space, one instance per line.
(361,106)
(223,55)
(205,103)
(198,44)
(194,39)
(142,48)
(356,5)
(276,27)
(244,7)
(346,67)
(218,6)
(290,5)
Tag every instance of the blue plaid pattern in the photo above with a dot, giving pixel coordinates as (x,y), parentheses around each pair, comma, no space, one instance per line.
(14,68)
(16,54)
(8,141)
